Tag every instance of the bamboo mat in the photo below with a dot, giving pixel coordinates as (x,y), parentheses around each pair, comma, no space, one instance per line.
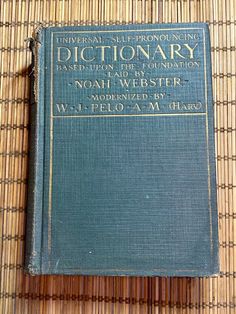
(20,293)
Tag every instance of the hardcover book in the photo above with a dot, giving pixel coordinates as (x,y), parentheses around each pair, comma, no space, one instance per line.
(122,165)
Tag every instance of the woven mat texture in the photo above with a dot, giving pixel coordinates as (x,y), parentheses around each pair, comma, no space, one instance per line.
(20,293)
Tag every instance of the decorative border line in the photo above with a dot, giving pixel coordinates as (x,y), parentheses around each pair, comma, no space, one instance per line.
(133,115)
(207,142)
(49,242)
(51,153)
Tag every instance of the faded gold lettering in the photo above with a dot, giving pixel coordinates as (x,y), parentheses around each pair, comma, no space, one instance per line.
(92,84)
(126,52)
(82,54)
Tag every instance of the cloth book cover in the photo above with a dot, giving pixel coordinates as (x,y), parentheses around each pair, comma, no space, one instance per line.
(122,165)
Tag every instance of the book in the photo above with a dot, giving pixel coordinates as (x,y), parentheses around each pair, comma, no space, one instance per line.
(122,177)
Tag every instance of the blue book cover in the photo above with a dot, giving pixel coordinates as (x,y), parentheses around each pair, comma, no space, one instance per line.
(122,177)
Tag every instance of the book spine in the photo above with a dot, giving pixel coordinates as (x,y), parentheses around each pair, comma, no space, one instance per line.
(35,165)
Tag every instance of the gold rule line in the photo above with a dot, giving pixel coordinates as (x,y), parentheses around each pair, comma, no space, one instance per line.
(120,115)
(133,115)
(51,157)
(207,143)
(128,30)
